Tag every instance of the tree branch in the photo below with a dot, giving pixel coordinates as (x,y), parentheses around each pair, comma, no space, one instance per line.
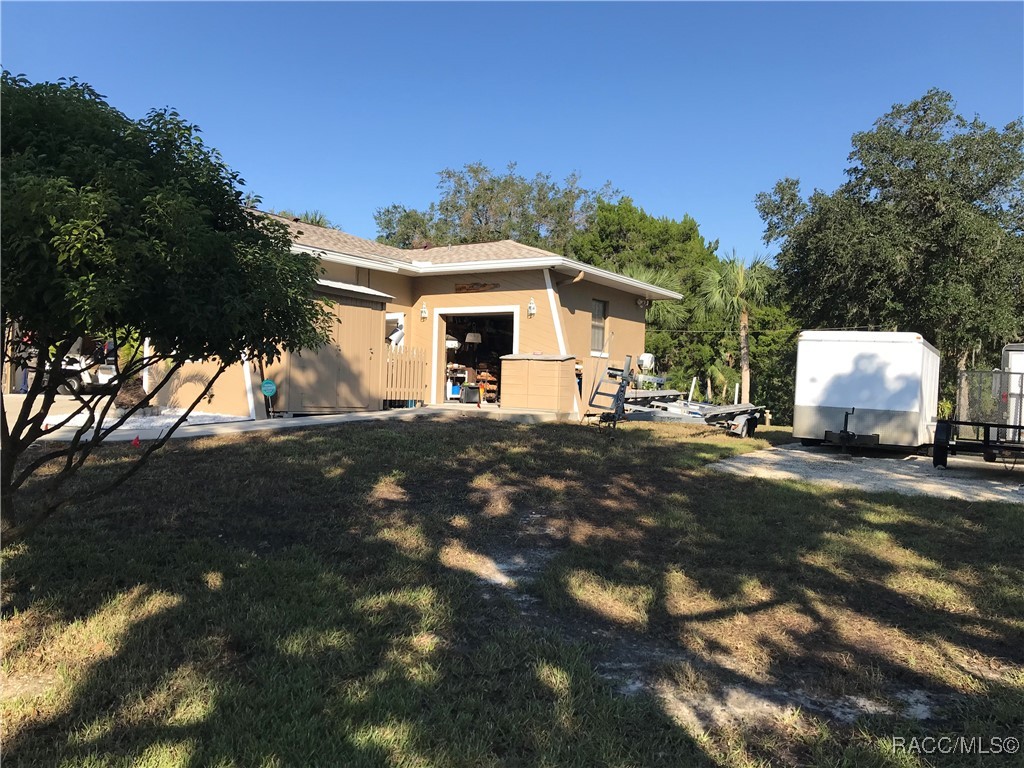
(16,533)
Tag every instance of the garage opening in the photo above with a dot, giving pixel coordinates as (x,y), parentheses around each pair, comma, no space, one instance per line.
(474,345)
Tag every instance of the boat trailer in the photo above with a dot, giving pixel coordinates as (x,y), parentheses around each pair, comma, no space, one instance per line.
(617,399)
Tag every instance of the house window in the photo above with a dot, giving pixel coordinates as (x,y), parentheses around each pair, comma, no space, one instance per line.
(598,321)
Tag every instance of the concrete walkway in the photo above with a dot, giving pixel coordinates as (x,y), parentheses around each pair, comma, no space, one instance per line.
(443,412)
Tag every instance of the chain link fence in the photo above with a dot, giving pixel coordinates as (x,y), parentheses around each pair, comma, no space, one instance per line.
(993,397)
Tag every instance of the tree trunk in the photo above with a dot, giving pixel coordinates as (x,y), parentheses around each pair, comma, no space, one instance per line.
(962,409)
(744,356)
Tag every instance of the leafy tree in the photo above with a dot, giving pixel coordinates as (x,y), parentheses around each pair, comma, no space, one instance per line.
(405,228)
(731,290)
(121,229)
(621,235)
(773,340)
(477,205)
(926,234)
(624,238)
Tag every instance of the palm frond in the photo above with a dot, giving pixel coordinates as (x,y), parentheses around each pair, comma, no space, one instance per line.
(663,313)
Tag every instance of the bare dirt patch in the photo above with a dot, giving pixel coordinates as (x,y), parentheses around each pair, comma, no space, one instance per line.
(698,693)
(25,685)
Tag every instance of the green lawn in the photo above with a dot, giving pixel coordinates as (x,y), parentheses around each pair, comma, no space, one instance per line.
(479,593)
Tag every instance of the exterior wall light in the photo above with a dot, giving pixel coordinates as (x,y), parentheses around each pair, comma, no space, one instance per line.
(424,313)
(531,308)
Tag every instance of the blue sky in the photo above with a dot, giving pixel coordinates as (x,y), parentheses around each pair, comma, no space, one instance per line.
(689,108)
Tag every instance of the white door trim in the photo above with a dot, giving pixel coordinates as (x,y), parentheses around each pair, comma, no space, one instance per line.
(248,386)
(556,315)
(499,309)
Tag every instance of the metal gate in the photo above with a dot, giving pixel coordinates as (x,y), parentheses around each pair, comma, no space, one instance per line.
(994,397)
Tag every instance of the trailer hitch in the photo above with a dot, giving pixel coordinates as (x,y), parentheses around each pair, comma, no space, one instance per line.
(846,436)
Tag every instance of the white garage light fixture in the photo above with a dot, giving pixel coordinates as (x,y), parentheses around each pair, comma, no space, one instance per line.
(424,313)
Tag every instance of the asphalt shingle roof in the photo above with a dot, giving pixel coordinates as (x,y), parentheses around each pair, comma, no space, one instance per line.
(420,260)
(499,250)
(341,242)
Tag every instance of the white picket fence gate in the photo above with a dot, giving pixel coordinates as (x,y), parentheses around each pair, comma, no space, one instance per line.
(405,383)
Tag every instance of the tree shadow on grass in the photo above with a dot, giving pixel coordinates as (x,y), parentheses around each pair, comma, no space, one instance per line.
(286,605)
(289,599)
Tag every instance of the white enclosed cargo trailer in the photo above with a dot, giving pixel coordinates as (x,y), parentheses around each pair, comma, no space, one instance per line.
(866,388)
(1013,358)
(1013,367)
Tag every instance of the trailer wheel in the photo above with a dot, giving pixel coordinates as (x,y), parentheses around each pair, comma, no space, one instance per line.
(940,455)
(809,442)
(989,456)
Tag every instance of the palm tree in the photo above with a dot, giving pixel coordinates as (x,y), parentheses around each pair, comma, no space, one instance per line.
(663,314)
(729,291)
(315,217)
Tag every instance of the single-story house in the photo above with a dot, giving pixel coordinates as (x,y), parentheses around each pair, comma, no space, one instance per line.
(514,322)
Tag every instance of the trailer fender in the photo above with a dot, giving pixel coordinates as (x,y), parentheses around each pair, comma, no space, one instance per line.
(743,426)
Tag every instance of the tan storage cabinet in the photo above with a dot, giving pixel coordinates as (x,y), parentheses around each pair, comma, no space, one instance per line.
(539,382)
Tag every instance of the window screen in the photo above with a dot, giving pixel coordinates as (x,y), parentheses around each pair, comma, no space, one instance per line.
(598,318)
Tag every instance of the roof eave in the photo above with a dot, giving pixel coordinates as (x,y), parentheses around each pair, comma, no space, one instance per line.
(336,257)
(359,291)
(594,274)
(615,280)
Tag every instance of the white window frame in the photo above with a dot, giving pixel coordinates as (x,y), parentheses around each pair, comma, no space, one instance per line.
(604,328)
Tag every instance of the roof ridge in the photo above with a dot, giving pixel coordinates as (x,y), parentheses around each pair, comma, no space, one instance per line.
(508,240)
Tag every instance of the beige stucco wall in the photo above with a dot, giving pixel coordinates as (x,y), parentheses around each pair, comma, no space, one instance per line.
(399,286)
(536,335)
(228,396)
(514,289)
(342,273)
(624,330)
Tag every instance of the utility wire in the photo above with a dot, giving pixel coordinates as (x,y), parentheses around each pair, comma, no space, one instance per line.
(766,330)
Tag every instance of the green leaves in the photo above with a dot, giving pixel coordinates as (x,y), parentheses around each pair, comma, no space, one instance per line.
(110,223)
(731,288)
(925,235)
(477,205)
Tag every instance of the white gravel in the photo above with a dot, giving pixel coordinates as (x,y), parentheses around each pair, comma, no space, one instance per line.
(967,478)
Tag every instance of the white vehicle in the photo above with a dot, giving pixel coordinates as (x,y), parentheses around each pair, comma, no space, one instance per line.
(865,388)
(82,375)
(89,367)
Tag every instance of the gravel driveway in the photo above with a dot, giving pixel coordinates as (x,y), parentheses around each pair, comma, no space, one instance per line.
(967,477)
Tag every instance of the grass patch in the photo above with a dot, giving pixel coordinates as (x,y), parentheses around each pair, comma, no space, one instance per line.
(342,596)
